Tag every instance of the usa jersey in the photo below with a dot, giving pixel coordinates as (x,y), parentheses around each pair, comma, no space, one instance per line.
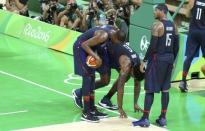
(115,51)
(198,15)
(165,45)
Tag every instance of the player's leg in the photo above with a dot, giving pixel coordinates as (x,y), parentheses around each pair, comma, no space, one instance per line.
(77,93)
(88,99)
(192,49)
(150,83)
(203,51)
(166,72)
(203,69)
(93,108)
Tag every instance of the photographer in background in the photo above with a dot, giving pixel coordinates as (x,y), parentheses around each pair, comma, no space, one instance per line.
(93,17)
(71,17)
(17,6)
(50,10)
(104,5)
(124,10)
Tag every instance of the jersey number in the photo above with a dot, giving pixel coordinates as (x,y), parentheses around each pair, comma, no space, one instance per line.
(198,14)
(128,48)
(168,39)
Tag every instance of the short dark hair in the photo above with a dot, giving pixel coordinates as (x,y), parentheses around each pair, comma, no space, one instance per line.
(162,7)
(137,73)
(121,35)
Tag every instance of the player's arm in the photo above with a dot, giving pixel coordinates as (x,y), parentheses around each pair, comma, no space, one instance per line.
(99,37)
(137,2)
(19,5)
(125,65)
(157,31)
(176,42)
(189,6)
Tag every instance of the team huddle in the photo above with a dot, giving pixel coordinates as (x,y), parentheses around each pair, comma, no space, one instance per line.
(103,48)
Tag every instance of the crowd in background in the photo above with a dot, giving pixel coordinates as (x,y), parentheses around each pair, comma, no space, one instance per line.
(73,16)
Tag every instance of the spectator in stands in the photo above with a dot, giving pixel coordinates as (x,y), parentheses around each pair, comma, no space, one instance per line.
(50,11)
(104,5)
(124,9)
(92,17)
(72,16)
(17,6)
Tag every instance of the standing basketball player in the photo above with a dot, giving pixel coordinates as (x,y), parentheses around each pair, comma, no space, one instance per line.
(196,37)
(160,56)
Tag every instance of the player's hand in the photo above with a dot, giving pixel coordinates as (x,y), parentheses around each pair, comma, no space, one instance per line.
(122,113)
(137,108)
(142,67)
(98,61)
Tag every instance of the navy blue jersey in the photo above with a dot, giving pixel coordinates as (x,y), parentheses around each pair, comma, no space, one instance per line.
(115,51)
(91,32)
(198,15)
(165,44)
(166,41)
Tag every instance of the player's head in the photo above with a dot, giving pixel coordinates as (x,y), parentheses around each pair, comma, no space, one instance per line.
(160,11)
(137,73)
(118,36)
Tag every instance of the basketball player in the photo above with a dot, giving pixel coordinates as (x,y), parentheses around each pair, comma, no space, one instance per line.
(160,56)
(127,63)
(92,42)
(196,37)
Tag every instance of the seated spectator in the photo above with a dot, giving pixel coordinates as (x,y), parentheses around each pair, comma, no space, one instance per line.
(71,17)
(17,6)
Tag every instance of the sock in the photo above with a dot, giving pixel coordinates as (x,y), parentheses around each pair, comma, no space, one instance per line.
(164,102)
(149,98)
(86,107)
(92,102)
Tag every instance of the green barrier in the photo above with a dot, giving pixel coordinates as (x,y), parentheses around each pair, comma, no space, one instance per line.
(38,32)
(140,34)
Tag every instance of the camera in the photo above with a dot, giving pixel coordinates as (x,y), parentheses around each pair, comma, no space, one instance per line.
(92,12)
(53,8)
(72,6)
(1,6)
(111,20)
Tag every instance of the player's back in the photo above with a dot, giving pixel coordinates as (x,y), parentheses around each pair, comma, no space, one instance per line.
(91,32)
(198,15)
(115,51)
(165,45)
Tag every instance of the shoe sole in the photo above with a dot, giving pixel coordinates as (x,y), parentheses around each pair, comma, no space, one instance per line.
(89,120)
(160,124)
(75,96)
(102,117)
(107,107)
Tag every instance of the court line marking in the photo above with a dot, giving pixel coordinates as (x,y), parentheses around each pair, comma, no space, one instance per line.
(58,92)
(10,113)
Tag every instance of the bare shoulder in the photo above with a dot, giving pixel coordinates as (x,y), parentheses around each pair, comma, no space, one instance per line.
(176,29)
(157,28)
